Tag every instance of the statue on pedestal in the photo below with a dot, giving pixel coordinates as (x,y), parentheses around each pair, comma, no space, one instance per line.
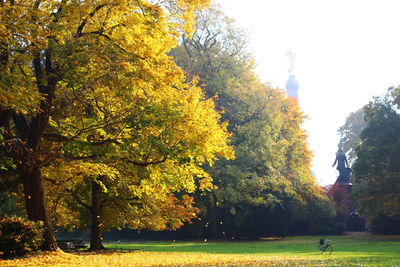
(342,167)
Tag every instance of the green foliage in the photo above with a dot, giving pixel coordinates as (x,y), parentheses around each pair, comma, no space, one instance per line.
(376,169)
(385,225)
(8,205)
(350,133)
(19,236)
(8,173)
(268,186)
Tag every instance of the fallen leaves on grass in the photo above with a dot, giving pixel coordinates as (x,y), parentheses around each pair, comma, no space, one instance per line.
(143,258)
(60,258)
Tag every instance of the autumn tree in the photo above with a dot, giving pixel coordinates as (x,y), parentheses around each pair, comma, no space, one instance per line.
(269,184)
(141,182)
(72,71)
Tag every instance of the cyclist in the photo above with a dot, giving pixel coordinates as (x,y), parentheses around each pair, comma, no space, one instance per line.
(325,246)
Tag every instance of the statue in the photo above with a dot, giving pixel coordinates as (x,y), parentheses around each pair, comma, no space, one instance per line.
(292,57)
(342,167)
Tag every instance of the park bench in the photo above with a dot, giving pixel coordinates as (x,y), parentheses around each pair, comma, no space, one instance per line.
(119,249)
(69,245)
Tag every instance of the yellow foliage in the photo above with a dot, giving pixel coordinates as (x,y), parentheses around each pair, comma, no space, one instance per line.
(60,258)
(122,113)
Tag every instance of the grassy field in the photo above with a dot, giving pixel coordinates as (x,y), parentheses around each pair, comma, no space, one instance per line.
(292,251)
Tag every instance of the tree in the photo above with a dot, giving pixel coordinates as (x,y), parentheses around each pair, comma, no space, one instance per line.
(141,183)
(395,94)
(350,133)
(376,169)
(71,69)
(267,188)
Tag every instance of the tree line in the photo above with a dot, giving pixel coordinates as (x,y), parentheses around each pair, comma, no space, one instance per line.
(268,189)
(134,114)
(371,136)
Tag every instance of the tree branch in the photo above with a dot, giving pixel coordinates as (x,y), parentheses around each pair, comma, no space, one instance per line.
(55,137)
(5,118)
(101,33)
(78,199)
(21,125)
(144,164)
(84,22)
(59,10)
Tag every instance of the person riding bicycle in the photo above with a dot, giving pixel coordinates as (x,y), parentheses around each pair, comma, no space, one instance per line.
(325,246)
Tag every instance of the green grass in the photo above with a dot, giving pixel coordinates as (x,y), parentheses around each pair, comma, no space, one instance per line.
(371,250)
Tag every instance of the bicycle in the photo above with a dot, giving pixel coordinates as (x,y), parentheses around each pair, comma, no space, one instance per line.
(325,246)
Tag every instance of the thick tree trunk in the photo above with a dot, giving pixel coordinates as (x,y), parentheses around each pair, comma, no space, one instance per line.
(36,206)
(95,231)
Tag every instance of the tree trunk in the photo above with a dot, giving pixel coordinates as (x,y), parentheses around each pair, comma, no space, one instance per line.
(95,231)
(36,206)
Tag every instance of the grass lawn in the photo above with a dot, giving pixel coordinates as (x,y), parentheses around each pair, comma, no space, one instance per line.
(292,251)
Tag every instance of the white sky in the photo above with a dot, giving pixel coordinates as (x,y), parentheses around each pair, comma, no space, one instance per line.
(347,51)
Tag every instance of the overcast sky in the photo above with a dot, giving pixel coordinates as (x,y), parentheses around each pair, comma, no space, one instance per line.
(347,51)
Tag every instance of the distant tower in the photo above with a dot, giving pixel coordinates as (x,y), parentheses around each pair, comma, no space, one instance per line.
(292,85)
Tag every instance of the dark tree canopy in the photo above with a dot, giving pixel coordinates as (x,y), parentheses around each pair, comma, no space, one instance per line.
(377,167)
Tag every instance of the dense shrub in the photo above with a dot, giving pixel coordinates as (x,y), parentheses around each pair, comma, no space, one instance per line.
(19,236)
(339,227)
(382,224)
